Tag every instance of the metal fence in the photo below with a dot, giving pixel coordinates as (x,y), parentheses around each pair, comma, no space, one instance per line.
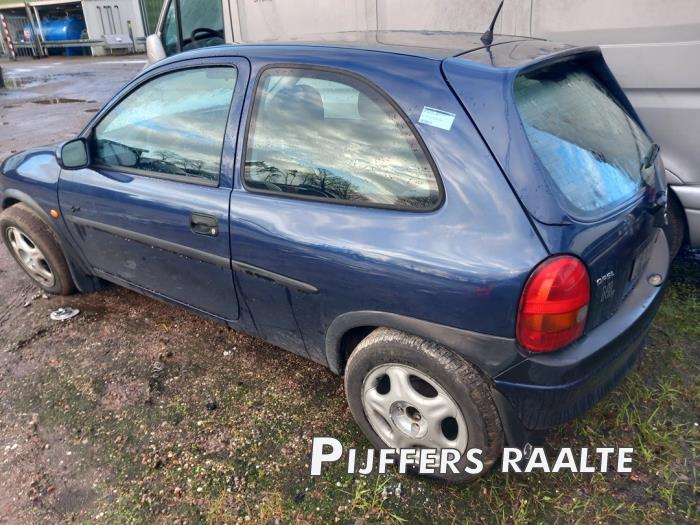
(20,38)
(16,35)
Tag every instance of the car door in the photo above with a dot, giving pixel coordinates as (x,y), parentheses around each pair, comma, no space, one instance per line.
(151,211)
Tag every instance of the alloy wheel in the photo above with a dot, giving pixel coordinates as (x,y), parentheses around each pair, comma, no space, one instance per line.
(409,409)
(31,257)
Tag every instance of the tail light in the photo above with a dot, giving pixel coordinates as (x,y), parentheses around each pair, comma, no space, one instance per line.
(554,305)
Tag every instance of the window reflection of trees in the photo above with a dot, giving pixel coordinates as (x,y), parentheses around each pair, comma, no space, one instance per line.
(114,153)
(320,182)
(174,164)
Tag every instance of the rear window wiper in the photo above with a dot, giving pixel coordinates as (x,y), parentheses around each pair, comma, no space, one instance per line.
(650,157)
(660,199)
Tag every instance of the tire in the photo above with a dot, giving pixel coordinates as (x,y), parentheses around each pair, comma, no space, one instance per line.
(23,226)
(396,352)
(675,229)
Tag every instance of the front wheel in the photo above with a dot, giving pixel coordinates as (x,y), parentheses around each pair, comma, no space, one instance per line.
(406,392)
(36,249)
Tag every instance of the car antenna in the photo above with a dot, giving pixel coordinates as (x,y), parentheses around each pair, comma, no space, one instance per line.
(487,37)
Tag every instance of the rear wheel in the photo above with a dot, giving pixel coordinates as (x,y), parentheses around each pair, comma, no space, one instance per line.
(675,229)
(406,392)
(35,248)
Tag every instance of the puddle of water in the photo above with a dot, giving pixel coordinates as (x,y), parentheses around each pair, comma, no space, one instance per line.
(122,62)
(31,81)
(58,100)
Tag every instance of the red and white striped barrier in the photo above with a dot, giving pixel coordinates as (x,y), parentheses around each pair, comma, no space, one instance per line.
(8,37)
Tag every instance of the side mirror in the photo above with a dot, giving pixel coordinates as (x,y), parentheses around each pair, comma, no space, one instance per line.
(74,154)
(154,49)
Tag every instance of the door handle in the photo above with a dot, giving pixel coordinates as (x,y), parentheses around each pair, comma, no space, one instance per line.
(203,224)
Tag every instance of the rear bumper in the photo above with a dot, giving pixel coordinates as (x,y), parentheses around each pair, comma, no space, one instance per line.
(546,390)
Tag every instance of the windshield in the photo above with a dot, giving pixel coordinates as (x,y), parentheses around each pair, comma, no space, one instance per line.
(591,148)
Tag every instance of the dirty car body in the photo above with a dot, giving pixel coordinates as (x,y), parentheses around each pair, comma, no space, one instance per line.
(315,266)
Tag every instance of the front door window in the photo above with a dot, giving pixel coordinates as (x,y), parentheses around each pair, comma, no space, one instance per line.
(171,127)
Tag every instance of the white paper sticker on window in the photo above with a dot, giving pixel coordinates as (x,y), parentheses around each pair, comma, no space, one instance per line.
(436,118)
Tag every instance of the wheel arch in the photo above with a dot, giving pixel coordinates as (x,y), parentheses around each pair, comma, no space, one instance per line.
(673,195)
(82,278)
(12,196)
(491,354)
(7,202)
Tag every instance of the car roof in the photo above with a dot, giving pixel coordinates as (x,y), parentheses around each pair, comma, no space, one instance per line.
(505,51)
(435,45)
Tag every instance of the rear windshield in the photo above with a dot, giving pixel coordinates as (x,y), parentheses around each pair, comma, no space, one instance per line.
(590,146)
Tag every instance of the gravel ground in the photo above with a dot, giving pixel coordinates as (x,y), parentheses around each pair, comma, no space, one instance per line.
(139,412)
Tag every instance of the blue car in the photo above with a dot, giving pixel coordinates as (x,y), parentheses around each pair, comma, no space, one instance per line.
(471,234)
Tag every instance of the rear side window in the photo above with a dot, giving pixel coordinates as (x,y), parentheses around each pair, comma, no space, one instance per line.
(592,149)
(324,135)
